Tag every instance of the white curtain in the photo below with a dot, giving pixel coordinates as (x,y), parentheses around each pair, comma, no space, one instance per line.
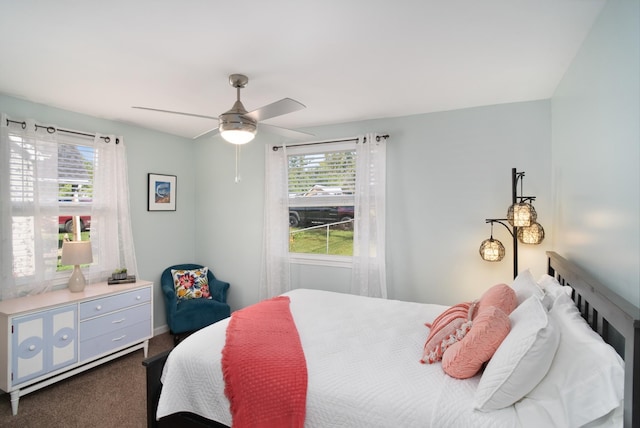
(368,275)
(111,232)
(275,278)
(30,206)
(29,212)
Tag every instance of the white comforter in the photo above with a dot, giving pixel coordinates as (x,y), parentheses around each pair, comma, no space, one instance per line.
(363,362)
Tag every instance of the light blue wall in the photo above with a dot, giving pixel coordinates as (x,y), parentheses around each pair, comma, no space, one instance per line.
(446,173)
(596,152)
(161,238)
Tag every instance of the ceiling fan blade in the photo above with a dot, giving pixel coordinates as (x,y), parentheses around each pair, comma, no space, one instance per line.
(175,112)
(209,132)
(284,132)
(278,108)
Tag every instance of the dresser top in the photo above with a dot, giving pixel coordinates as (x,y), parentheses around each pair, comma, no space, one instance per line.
(64,296)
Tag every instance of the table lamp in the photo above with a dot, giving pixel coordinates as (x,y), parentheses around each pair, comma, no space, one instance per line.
(76,253)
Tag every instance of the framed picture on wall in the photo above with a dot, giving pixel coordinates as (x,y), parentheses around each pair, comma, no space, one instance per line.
(162,192)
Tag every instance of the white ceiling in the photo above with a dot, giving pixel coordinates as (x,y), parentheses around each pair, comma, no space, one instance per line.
(346,60)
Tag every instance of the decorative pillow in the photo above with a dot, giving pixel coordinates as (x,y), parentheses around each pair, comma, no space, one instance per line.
(525,286)
(585,380)
(191,284)
(449,327)
(522,359)
(465,358)
(501,296)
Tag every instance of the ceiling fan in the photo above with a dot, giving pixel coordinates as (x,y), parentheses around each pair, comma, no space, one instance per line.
(238,126)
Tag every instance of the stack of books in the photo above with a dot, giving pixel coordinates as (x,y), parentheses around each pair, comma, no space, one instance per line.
(128,279)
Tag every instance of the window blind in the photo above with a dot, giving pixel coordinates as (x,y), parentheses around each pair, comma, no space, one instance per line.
(75,173)
(321,178)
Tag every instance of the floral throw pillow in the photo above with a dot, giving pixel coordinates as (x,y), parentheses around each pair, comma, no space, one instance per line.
(191,284)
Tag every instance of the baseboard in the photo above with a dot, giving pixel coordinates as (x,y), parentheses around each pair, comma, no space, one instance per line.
(160,330)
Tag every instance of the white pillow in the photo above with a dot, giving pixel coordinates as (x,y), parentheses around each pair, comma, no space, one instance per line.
(552,287)
(522,360)
(585,380)
(525,286)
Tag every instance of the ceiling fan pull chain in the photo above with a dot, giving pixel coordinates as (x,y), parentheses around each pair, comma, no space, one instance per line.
(237,162)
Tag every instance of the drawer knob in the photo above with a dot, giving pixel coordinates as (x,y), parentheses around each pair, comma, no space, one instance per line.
(138,297)
(121,320)
(65,337)
(32,347)
(119,338)
(99,308)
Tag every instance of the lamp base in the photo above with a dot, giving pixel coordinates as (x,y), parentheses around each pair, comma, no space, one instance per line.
(76,281)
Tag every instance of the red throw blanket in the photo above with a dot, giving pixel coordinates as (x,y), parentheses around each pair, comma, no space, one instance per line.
(264,368)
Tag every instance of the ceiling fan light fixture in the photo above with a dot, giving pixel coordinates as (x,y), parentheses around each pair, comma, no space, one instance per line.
(237,128)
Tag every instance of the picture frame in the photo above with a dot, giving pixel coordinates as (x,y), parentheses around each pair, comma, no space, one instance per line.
(162,192)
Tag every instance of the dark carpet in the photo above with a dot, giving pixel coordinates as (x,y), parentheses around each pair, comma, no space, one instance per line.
(110,395)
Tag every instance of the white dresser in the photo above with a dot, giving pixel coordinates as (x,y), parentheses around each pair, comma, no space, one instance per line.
(51,336)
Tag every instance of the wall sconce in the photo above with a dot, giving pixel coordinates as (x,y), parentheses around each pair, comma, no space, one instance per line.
(522,225)
(76,253)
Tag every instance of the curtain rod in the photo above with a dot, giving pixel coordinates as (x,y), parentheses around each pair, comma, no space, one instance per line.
(378,137)
(51,130)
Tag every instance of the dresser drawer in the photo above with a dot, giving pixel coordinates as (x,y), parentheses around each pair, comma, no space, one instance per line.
(114,321)
(114,340)
(105,305)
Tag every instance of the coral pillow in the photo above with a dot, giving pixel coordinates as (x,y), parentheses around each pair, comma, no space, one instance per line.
(449,327)
(191,284)
(465,358)
(501,296)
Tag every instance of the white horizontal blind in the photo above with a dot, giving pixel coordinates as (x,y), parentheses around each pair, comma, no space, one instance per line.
(322,175)
(75,172)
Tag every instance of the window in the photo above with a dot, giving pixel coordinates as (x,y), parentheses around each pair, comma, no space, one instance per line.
(75,192)
(321,186)
(70,171)
(344,179)
(50,181)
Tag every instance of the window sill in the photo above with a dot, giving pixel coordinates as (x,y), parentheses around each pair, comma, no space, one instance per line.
(321,260)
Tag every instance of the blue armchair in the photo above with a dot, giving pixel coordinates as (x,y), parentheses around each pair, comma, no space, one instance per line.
(186,316)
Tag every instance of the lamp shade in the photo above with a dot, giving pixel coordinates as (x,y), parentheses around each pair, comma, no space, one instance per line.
(76,253)
(235,136)
(533,234)
(521,214)
(492,250)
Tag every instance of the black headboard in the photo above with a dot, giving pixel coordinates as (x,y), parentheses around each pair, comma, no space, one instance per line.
(613,318)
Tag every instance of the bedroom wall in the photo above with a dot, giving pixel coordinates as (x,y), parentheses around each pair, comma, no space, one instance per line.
(596,152)
(161,238)
(446,173)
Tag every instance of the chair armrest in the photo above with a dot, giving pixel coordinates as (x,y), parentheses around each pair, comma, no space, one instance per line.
(218,290)
(169,294)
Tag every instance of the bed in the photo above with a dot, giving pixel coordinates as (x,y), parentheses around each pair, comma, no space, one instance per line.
(352,384)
